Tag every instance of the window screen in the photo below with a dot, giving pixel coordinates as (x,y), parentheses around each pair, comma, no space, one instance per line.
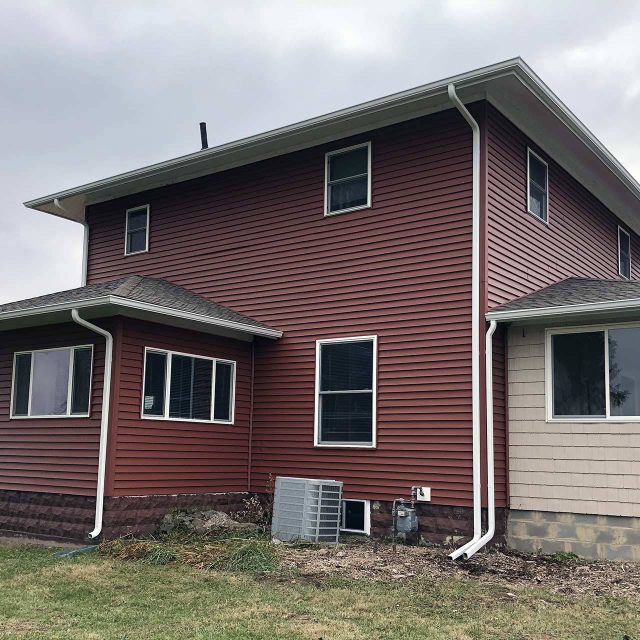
(538,187)
(137,230)
(52,382)
(348,179)
(624,253)
(624,371)
(346,394)
(154,383)
(190,388)
(223,391)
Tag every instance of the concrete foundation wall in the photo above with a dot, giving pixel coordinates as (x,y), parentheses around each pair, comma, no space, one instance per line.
(589,536)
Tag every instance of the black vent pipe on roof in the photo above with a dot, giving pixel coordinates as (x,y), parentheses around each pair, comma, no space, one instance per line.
(203,135)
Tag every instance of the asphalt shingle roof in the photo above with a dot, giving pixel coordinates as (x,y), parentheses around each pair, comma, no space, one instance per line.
(139,289)
(575,291)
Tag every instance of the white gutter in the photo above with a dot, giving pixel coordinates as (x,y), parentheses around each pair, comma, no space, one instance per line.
(104,419)
(475,324)
(127,303)
(491,485)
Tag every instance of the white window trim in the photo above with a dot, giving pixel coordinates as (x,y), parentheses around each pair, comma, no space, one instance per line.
(548,373)
(336,152)
(367,517)
(167,387)
(374,396)
(63,416)
(620,229)
(531,152)
(126,230)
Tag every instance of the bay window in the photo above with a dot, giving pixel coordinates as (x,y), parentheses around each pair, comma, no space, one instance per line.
(346,392)
(179,386)
(594,373)
(52,383)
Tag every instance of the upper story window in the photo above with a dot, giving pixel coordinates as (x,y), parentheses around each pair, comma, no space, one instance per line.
(179,386)
(537,186)
(52,383)
(594,374)
(624,253)
(348,179)
(346,392)
(137,230)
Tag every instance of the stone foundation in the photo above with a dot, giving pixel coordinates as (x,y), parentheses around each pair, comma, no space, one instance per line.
(438,524)
(588,536)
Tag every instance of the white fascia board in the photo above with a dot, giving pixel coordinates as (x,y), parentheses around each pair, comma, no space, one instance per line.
(117,301)
(566,310)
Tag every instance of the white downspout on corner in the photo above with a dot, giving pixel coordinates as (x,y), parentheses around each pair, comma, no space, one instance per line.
(475,325)
(491,485)
(104,419)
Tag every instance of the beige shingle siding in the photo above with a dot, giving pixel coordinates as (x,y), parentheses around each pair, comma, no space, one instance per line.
(579,467)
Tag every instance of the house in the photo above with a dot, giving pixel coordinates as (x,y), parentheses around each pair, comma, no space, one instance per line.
(437,289)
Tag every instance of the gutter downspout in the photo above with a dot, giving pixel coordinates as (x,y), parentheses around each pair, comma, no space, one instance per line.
(104,420)
(475,324)
(85,243)
(491,487)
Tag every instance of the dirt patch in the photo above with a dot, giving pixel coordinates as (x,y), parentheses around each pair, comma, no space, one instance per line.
(506,568)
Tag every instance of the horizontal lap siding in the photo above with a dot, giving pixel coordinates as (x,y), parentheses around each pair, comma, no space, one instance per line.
(255,239)
(161,457)
(524,254)
(49,455)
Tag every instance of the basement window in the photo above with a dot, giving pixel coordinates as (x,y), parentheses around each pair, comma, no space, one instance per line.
(538,186)
(52,383)
(346,392)
(179,386)
(624,253)
(356,516)
(348,179)
(594,374)
(137,230)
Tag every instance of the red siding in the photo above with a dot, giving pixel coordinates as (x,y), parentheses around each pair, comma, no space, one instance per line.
(255,239)
(158,456)
(524,254)
(50,455)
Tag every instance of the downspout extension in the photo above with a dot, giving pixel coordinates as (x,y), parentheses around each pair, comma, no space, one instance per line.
(491,486)
(475,324)
(104,421)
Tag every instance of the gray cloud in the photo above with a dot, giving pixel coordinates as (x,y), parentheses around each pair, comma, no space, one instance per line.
(92,89)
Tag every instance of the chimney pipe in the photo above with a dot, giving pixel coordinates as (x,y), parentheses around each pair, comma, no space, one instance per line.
(203,135)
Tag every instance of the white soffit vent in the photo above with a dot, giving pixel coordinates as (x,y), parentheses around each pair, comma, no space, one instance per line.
(306,509)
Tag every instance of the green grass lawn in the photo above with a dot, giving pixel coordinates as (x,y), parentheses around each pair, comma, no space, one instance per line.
(94,597)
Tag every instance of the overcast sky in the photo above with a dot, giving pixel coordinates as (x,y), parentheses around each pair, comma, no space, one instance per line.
(89,89)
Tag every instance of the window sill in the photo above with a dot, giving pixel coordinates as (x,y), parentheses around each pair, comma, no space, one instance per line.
(135,253)
(338,445)
(544,221)
(328,214)
(63,417)
(356,531)
(612,420)
(163,419)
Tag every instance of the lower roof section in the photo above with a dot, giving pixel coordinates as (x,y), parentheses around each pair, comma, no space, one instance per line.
(151,299)
(580,299)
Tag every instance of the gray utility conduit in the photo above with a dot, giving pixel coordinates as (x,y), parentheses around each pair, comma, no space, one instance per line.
(104,421)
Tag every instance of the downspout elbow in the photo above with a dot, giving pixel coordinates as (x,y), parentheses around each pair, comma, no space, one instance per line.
(104,419)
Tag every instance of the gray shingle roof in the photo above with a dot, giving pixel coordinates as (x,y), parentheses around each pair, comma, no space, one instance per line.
(153,291)
(574,291)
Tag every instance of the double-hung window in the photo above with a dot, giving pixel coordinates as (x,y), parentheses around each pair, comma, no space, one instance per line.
(594,373)
(624,253)
(137,230)
(52,383)
(537,186)
(179,386)
(346,392)
(348,179)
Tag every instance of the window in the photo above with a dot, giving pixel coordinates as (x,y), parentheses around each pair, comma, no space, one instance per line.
(624,253)
(52,383)
(595,373)
(538,186)
(356,516)
(137,231)
(179,386)
(346,392)
(348,179)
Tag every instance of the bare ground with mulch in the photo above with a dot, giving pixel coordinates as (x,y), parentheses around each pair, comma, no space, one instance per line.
(497,566)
